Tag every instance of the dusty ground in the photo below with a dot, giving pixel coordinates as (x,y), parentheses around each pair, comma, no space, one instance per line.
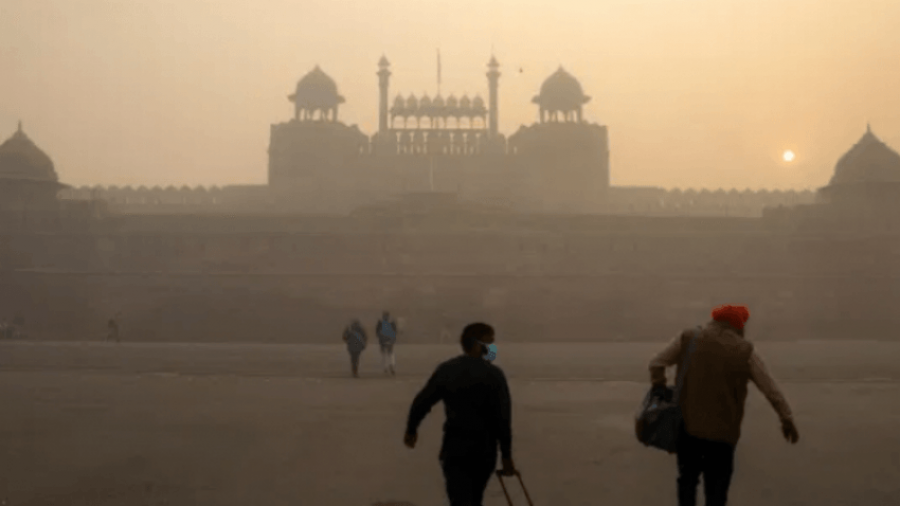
(99,424)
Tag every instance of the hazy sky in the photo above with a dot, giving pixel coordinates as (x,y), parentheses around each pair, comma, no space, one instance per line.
(696,93)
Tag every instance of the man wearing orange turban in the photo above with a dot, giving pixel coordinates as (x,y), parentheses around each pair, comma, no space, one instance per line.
(712,399)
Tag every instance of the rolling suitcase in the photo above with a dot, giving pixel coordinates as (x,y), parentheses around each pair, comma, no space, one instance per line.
(503,485)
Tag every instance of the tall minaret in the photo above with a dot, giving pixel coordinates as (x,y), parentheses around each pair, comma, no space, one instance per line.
(383,75)
(493,76)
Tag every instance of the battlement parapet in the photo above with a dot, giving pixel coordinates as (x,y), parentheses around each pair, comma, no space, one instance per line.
(144,196)
(652,201)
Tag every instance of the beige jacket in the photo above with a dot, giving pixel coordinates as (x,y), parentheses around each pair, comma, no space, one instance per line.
(715,386)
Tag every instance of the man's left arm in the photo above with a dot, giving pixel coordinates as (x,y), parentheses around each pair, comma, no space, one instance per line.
(665,358)
(430,395)
(760,376)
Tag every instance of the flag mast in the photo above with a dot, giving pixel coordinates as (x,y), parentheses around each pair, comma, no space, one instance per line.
(431,157)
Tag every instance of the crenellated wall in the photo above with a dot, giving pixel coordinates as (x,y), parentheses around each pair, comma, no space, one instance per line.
(291,279)
(447,174)
(704,202)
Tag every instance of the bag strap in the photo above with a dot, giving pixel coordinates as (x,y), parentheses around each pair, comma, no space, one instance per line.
(684,364)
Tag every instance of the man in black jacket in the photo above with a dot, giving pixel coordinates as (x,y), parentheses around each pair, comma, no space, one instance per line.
(477,404)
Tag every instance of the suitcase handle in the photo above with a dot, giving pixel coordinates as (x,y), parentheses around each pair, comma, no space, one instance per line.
(522,483)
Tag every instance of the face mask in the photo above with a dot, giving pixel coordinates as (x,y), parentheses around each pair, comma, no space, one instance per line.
(491,349)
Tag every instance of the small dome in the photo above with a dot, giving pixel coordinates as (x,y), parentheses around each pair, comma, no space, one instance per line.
(438,102)
(561,92)
(424,102)
(412,103)
(383,62)
(478,105)
(21,159)
(868,161)
(465,103)
(316,89)
(399,106)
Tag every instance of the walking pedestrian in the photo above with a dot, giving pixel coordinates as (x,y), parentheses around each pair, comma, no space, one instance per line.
(712,401)
(386,330)
(356,339)
(112,330)
(478,407)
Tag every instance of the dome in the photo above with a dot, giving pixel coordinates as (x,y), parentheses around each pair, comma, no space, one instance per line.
(868,161)
(316,90)
(478,105)
(399,106)
(425,102)
(561,92)
(464,103)
(438,102)
(21,159)
(412,103)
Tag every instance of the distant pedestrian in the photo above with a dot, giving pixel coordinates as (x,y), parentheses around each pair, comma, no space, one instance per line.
(112,328)
(386,330)
(356,339)
(712,401)
(17,329)
(478,407)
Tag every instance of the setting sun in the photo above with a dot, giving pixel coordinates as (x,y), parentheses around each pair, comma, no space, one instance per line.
(788,156)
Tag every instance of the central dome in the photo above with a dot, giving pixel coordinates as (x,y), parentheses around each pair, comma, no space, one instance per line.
(561,92)
(21,159)
(316,90)
(868,161)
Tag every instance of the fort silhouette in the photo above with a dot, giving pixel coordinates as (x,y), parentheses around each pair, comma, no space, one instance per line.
(318,164)
(441,218)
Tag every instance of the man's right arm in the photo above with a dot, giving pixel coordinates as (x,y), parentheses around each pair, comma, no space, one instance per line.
(504,418)
(665,358)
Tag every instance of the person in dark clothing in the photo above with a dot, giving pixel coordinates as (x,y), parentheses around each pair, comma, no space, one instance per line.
(478,410)
(356,339)
(113,330)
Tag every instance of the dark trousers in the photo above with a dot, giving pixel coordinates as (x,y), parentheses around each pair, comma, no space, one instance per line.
(466,476)
(713,459)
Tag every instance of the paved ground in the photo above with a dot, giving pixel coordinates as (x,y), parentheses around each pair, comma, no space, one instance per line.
(99,424)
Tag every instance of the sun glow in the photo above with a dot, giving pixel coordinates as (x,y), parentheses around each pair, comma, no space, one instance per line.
(788,156)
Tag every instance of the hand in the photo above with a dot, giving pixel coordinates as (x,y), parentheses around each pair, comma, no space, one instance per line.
(790,431)
(410,440)
(659,390)
(509,469)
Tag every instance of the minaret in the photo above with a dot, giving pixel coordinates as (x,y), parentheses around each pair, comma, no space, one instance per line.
(383,75)
(493,76)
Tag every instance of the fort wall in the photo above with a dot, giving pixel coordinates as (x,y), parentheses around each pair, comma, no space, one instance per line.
(449,175)
(216,279)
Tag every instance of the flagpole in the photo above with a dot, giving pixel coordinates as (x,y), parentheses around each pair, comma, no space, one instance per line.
(431,172)
(431,155)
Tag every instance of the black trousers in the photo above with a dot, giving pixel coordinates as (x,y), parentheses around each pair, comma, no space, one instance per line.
(354,359)
(712,459)
(466,476)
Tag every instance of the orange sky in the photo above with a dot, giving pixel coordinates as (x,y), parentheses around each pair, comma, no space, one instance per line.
(696,93)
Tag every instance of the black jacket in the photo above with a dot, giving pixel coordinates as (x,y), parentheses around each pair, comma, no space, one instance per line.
(476,402)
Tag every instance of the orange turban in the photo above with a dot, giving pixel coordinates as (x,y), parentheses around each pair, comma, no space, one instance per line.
(736,316)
